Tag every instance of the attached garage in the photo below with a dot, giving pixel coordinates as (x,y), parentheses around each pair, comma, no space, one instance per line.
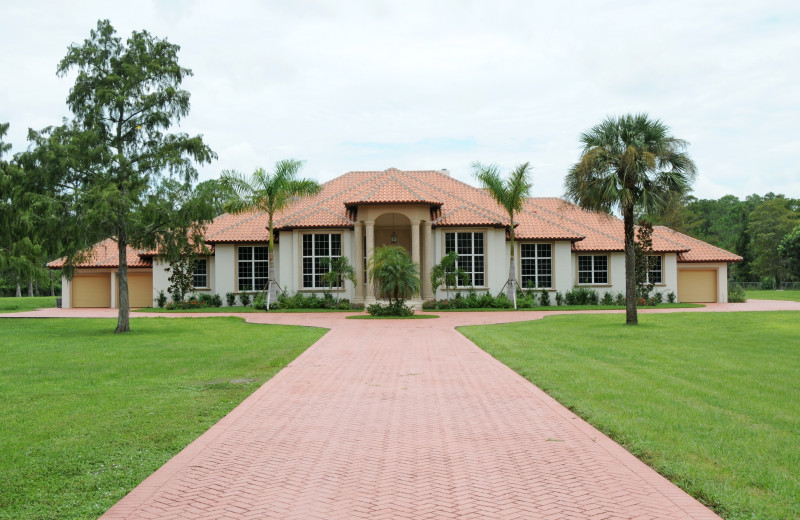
(697,285)
(91,290)
(140,289)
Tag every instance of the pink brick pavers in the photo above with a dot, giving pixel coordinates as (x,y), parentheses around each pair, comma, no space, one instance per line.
(402,419)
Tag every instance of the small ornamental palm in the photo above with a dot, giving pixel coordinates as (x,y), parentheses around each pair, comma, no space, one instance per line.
(394,272)
(511,194)
(270,193)
(630,163)
(339,270)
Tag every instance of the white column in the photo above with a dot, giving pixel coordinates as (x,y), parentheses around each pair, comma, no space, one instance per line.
(427,261)
(370,224)
(415,247)
(358,261)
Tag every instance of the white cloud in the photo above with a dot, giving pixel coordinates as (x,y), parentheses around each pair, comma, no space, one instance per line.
(509,81)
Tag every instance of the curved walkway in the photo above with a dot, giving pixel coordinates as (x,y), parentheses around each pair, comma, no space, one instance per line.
(403,419)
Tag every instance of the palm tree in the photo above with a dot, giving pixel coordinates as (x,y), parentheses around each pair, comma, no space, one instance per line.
(339,270)
(395,273)
(269,192)
(509,193)
(630,163)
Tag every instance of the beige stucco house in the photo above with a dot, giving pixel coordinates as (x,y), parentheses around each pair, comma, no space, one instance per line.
(559,246)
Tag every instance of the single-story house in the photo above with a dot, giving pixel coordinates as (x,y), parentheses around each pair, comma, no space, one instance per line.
(559,245)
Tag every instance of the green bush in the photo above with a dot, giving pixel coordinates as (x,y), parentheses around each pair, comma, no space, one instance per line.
(395,308)
(582,296)
(671,296)
(608,299)
(191,303)
(502,302)
(544,298)
(244,298)
(767,283)
(161,299)
(736,294)
(230,298)
(260,301)
(559,298)
(619,299)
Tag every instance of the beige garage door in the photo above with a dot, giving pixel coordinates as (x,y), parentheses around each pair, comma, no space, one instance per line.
(91,290)
(140,289)
(697,286)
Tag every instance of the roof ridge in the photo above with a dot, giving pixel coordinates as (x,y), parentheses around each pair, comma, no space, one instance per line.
(486,212)
(579,223)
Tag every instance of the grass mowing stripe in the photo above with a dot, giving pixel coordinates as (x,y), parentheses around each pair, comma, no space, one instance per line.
(710,400)
(87,414)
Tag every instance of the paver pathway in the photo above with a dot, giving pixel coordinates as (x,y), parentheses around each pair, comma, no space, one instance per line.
(402,419)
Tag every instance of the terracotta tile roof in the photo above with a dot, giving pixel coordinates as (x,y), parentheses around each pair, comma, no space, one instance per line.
(695,250)
(452,204)
(104,254)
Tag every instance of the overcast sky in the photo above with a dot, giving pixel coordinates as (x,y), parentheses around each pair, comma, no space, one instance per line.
(438,84)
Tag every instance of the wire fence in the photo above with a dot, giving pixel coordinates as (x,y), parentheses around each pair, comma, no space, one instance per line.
(783,286)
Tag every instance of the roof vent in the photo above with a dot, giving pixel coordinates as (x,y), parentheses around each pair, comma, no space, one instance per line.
(445,171)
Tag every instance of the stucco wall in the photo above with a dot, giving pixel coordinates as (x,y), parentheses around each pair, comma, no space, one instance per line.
(224,269)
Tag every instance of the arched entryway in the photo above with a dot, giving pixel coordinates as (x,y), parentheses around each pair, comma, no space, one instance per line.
(393,229)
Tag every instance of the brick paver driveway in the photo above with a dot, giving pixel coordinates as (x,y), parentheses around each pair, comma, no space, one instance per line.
(402,419)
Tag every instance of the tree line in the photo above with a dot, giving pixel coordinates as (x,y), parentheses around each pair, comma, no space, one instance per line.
(763,230)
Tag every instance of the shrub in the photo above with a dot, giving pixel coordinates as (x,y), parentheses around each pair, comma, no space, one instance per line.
(486,300)
(619,299)
(260,301)
(582,296)
(205,299)
(736,294)
(191,303)
(395,308)
(544,298)
(671,297)
(244,298)
(161,299)
(230,298)
(559,298)
(502,302)
(608,299)
(216,300)
(767,283)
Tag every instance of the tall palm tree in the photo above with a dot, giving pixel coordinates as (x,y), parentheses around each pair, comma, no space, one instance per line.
(511,194)
(630,163)
(269,192)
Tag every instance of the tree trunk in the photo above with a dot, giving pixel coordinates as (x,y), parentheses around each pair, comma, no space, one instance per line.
(123,317)
(30,288)
(512,273)
(631,317)
(19,291)
(271,283)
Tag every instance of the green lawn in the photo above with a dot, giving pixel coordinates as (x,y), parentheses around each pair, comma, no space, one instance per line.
(12,304)
(793,296)
(87,414)
(712,401)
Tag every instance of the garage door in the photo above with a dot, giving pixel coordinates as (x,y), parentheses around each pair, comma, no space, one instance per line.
(697,286)
(91,290)
(140,289)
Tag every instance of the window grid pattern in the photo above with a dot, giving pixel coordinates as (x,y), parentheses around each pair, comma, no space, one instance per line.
(253,267)
(200,274)
(536,266)
(470,249)
(317,246)
(593,269)
(655,274)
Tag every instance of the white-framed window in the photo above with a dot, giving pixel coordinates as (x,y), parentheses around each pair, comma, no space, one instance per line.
(200,274)
(655,274)
(592,269)
(470,249)
(536,266)
(317,246)
(253,267)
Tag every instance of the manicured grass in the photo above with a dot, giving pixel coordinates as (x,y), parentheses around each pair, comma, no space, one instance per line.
(87,414)
(709,400)
(573,308)
(12,304)
(793,296)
